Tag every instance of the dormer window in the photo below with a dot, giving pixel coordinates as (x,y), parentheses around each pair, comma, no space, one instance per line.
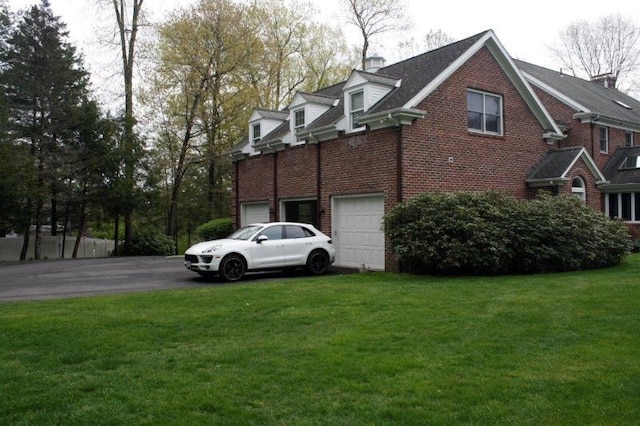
(255,133)
(298,120)
(356,108)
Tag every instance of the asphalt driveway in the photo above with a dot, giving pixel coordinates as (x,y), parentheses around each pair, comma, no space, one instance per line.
(88,277)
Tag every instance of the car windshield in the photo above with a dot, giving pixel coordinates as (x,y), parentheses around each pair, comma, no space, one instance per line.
(245,232)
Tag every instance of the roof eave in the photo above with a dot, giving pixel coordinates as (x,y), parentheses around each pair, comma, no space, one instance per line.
(391,118)
(554,181)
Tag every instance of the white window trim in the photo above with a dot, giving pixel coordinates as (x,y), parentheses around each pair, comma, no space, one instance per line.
(484,131)
(579,191)
(351,124)
(606,135)
(255,139)
(635,216)
(629,133)
(300,126)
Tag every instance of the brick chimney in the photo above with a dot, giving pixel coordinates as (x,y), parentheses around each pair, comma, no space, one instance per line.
(607,80)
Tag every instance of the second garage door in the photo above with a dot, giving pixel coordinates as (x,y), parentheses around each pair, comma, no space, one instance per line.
(357,231)
(254,213)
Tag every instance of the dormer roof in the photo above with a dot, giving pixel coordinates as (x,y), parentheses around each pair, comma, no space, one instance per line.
(259,113)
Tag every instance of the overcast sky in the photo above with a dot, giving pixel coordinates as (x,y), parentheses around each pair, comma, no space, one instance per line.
(526,29)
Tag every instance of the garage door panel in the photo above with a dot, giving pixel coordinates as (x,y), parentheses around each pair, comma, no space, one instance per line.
(254,212)
(359,239)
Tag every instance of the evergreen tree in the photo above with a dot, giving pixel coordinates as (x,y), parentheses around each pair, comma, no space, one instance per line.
(45,86)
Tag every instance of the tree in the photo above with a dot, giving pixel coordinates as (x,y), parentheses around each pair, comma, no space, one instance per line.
(129,19)
(45,84)
(202,50)
(375,17)
(609,45)
(430,41)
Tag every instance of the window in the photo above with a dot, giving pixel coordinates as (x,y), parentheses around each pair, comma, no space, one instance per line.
(632,162)
(357,108)
(625,206)
(578,189)
(256,133)
(628,139)
(294,231)
(298,121)
(273,232)
(484,112)
(604,140)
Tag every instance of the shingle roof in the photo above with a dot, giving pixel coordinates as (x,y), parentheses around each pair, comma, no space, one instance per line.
(554,164)
(275,135)
(276,115)
(417,72)
(612,171)
(595,97)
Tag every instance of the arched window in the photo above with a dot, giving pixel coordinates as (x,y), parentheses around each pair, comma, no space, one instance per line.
(578,189)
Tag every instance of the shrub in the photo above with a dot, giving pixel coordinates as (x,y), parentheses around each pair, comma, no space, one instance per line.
(150,242)
(491,233)
(215,229)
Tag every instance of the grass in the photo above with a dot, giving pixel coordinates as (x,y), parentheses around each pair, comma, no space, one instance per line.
(372,348)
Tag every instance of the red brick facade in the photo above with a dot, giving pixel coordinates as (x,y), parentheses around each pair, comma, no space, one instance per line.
(435,153)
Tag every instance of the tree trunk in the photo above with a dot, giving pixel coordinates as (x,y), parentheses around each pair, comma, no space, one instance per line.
(80,229)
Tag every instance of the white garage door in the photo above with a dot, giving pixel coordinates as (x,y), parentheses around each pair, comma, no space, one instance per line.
(357,231)
(253,213)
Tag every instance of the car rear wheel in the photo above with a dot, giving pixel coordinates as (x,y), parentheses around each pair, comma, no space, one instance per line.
(318,262)
(232,268)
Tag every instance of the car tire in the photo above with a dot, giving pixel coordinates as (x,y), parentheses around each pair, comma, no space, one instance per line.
(318,262)
(232,268)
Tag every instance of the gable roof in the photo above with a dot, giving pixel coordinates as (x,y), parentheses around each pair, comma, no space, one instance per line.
(420,75)
(555,165)
(590,100)
(269,114)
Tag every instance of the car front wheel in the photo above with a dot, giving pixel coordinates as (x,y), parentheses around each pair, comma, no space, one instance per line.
(318,262)
(232,268)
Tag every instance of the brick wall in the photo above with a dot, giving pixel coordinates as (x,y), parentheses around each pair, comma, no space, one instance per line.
(440,154)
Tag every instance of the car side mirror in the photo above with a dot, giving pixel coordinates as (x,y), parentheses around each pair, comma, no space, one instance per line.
(262,238)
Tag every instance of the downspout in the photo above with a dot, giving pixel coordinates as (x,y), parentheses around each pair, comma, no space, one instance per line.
(318,189)
(593,146)
(275,186)
(399,170)
(237,189)
(592,141)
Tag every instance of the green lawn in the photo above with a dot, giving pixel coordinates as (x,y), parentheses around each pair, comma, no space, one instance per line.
(372,348)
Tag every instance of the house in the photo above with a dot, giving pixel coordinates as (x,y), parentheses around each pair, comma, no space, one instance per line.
(465,116)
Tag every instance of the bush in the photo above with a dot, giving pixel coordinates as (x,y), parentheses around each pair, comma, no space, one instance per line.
(491,233)
(215,229)
(150,242)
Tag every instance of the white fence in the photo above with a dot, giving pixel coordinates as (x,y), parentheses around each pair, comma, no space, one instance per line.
(51,248)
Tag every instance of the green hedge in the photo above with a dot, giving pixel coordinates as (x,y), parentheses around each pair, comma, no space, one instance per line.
(215,229)
(150,242)
(491,233)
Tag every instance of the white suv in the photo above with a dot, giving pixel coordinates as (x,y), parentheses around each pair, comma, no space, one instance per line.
(262,246)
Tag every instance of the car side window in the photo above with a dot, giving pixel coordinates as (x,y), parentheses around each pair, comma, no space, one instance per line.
(293,231)
(273,232)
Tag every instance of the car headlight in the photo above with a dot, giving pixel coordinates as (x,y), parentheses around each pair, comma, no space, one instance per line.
(212,249)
